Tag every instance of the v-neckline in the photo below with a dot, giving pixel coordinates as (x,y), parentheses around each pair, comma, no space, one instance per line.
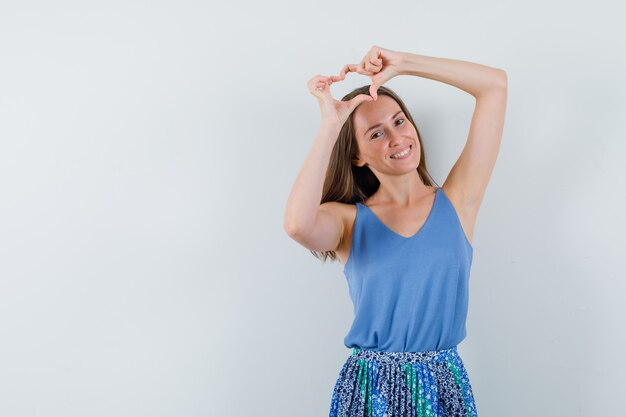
(432,209)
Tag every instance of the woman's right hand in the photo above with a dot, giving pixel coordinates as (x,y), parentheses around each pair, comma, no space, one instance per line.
(334,112)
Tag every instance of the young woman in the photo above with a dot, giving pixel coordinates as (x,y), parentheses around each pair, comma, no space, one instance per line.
(364,196)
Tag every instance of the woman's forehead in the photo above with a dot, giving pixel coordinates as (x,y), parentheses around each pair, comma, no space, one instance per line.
(374,112)
(377,110)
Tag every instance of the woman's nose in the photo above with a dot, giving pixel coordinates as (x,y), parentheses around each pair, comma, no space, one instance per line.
(394,138)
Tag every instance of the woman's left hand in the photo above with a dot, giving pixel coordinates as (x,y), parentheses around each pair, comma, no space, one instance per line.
(379,64)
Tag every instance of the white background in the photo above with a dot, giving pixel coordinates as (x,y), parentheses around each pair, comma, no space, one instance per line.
(147,150)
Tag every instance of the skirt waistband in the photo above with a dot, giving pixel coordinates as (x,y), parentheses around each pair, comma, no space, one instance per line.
(402,357)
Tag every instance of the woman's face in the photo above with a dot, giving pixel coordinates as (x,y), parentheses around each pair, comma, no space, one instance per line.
(383,133)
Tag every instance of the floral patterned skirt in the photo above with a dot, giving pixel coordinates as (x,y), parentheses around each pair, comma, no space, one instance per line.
(403,384)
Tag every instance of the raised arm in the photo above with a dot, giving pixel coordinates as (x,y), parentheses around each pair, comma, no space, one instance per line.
(475,79)
(319,227)
(468,178)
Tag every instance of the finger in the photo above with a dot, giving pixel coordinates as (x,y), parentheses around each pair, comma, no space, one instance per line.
(377,62)
(318,78)
(373,91)
(313,81)
(372,68)
(325,83)
(373,61)
(342,72)
(319,86)
(324,80)
(374,57)
(346,69)
(356,101)
(362,70)
(374,54)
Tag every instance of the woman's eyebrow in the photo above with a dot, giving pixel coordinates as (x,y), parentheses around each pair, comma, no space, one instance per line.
(378,124)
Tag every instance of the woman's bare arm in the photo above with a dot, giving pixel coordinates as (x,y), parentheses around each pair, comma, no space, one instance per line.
(307,222)
(319,227)
(467,181)
(475,79)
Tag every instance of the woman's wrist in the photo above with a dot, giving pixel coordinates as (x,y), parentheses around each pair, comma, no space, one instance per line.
(409,63)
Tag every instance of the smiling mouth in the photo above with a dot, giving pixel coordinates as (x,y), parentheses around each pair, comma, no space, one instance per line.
(404,154)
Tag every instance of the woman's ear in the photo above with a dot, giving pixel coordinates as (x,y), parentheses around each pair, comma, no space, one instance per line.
(358,162)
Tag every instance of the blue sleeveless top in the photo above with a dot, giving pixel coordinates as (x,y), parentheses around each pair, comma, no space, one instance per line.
(409,294)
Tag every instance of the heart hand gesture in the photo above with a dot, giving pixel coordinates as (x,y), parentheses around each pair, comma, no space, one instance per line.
(334,112)
(379,64)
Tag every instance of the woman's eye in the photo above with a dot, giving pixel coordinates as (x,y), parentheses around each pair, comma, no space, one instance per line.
(374,135)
